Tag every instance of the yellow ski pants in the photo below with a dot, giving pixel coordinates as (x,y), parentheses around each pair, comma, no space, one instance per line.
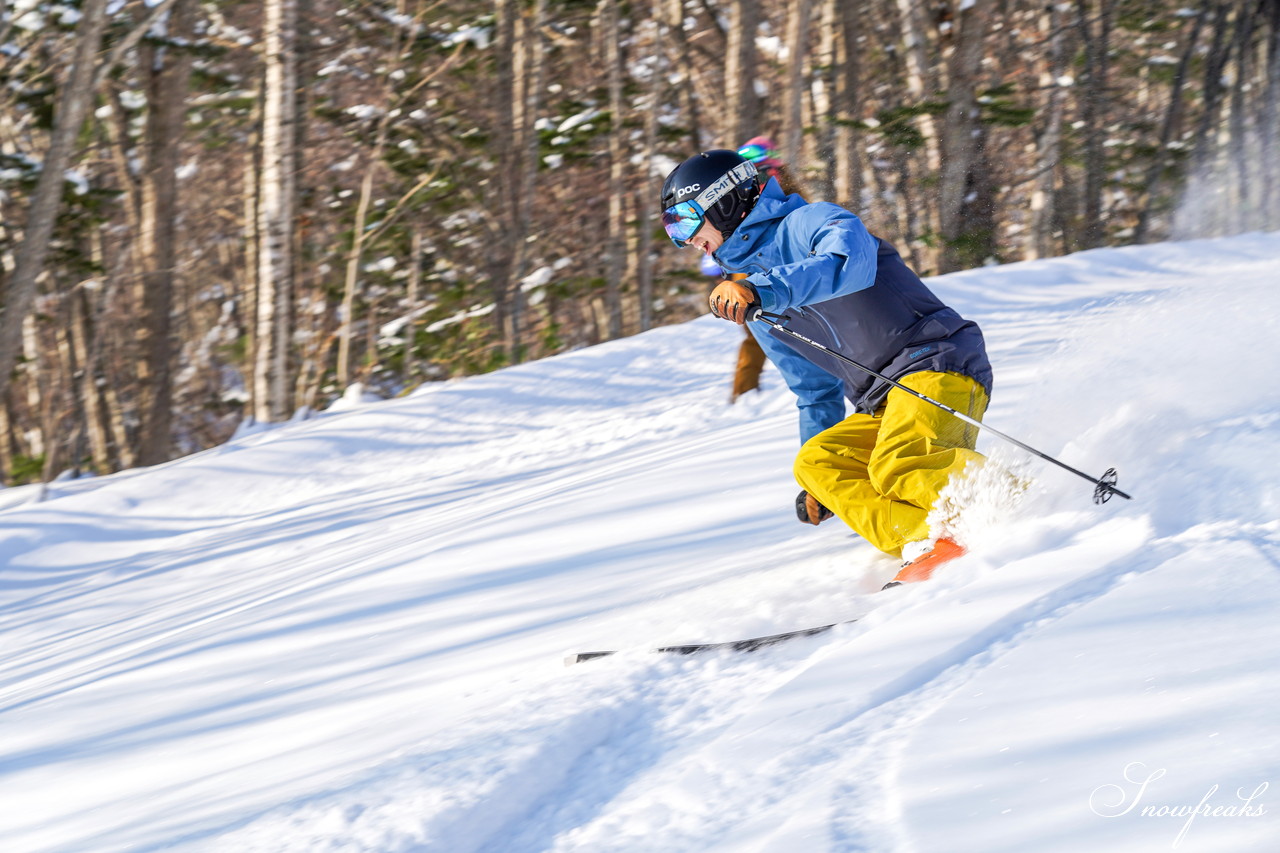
(882,473)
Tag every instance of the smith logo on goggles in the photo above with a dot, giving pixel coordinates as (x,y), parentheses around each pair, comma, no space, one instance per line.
(683,220)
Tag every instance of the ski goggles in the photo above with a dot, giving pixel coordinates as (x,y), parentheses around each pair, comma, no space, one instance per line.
(681,221)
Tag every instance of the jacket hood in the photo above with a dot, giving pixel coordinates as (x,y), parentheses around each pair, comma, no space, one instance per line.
(758,228)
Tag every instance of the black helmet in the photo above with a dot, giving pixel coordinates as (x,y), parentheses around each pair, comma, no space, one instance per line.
(721,183)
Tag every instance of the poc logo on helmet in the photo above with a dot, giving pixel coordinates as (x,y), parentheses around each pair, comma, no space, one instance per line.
(692,188)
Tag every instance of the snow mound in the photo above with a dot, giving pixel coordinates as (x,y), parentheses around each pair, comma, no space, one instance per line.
(346,633)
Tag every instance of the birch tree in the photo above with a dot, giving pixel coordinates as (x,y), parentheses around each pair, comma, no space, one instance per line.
(530,64)
(276,212)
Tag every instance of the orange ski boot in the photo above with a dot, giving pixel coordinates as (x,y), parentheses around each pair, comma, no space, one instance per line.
(922,567)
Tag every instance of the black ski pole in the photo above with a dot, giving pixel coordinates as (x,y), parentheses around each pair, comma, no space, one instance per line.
(1105,486)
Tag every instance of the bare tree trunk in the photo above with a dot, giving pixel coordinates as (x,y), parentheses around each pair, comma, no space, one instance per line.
(794,91)
(846,105)
(1240,166)
(820,150)
(616,240)
(1093,112)
(1171,126)
(961,133)
(1270,121)
(922,80)
(86,350)
(1214,64)
(304,281)
(645,204)
(680,61)
(118,141)
(1044,197)
(66,450)
(167,78)
(410,368)
(117,420)
(73,105)
(529,72)
(115,374)
(251,195)
(38,390)
(276,214)
(355,254)
(505,186)
(910,211)
(743,103)
(6,441)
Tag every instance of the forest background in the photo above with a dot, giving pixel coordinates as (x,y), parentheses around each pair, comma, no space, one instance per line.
(227,213)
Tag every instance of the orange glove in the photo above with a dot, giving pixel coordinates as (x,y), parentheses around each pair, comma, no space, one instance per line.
(809,511)
(734,300)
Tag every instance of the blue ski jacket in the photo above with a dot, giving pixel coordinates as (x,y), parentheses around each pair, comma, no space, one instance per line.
(834,282)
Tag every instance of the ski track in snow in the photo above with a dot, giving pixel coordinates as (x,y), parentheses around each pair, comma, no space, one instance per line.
(862,741)
(344,634)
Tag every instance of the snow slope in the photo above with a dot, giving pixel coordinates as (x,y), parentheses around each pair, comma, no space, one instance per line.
(347,633)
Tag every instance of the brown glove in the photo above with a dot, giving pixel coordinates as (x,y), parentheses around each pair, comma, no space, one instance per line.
(809,511)
(734,300)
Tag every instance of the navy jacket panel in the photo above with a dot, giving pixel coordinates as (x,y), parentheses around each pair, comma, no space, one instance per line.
(834,282)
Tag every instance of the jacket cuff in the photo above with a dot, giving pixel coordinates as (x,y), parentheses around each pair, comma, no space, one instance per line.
(765,294)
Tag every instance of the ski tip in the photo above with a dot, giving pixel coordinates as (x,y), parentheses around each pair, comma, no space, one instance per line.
(579,657)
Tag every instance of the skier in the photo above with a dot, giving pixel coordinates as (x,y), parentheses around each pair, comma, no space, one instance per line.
(880,470)
(761,151)
(751,358)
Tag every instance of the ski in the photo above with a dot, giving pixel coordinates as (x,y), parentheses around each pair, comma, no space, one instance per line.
(748,645)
